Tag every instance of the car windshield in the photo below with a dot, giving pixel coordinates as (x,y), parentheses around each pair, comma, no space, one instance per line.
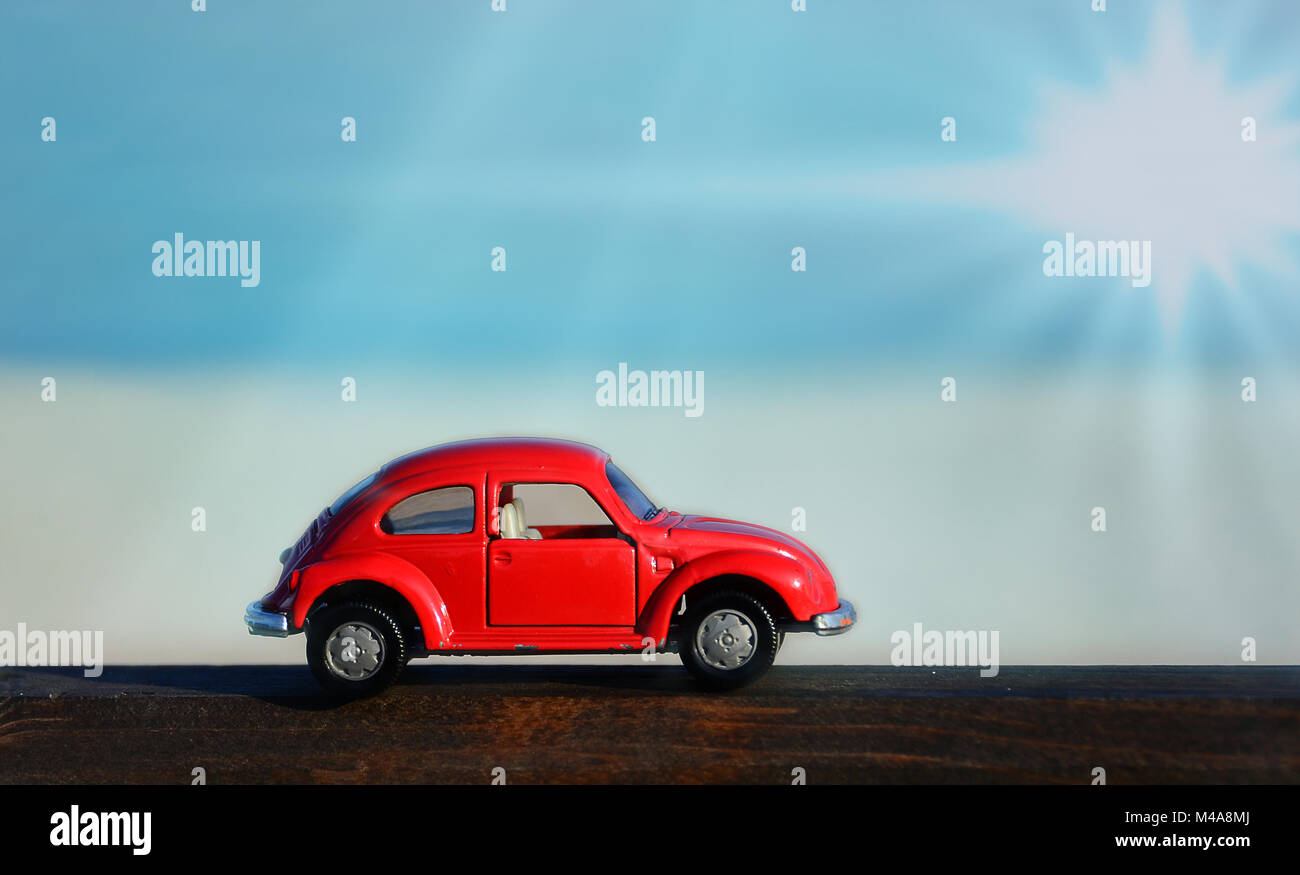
(346,498)
(633,498)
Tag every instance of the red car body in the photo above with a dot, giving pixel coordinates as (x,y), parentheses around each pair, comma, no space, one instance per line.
(576,589)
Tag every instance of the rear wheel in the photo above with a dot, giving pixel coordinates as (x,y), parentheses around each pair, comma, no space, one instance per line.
(728,640)
(355,649)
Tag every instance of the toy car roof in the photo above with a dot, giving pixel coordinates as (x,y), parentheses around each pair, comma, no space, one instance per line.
(518,452)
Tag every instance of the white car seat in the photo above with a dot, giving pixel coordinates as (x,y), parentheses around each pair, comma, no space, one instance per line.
(531,534)
(510,527)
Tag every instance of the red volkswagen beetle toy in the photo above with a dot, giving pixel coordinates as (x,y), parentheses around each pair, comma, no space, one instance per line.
(528,545)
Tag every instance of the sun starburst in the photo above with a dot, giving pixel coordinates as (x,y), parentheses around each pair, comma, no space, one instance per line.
(1155,152)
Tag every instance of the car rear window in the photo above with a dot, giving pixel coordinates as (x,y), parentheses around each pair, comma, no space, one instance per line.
(346,498)
(445,511)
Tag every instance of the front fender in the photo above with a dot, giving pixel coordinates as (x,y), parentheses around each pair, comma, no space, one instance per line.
(783,575)
(395,573)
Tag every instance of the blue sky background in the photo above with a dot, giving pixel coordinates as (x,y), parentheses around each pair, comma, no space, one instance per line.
(775,129)
(522,130)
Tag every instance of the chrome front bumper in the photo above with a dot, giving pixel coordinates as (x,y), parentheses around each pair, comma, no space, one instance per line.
(835,622)
(272,624)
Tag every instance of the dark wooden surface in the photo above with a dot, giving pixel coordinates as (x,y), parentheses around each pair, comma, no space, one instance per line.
(600,724)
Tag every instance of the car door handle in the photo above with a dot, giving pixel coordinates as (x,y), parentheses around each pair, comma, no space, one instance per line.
(501,559)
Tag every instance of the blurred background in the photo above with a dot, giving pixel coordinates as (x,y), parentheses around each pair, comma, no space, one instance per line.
(773,129)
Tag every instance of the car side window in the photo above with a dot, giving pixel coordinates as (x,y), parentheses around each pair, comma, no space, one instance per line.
(445,511)
(558,504)
(550,512)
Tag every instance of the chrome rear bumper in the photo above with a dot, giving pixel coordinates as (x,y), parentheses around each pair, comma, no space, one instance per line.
(272,624)
(835,622)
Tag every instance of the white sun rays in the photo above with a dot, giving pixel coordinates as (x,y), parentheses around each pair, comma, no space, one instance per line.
(1155,152)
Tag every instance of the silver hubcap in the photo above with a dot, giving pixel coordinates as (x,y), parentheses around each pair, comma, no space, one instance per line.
(726,639)
(354,651)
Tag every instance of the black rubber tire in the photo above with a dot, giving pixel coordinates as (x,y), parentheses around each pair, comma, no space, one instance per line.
(323,624)
(711,677)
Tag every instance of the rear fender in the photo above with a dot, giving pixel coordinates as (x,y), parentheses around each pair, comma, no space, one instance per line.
(397,574)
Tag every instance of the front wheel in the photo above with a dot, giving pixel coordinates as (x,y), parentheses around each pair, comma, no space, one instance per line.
(355,649)
(728,640)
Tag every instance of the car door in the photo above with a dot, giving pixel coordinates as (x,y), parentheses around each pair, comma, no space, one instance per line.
(574,569)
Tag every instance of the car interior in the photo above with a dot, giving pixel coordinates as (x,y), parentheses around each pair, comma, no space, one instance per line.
(563,511)
(513,524)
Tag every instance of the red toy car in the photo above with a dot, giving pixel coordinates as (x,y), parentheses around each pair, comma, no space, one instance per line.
(435,554)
